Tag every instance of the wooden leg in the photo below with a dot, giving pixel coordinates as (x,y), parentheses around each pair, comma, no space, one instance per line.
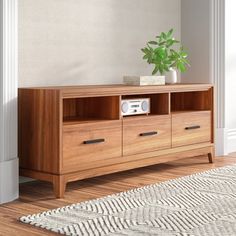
(59,186)
(211,155)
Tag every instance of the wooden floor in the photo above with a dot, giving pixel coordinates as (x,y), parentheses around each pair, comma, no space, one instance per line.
(38,196)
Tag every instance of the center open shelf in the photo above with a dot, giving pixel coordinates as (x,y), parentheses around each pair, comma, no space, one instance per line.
(159,103)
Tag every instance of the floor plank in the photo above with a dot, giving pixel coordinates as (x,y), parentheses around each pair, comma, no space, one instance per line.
(37,196)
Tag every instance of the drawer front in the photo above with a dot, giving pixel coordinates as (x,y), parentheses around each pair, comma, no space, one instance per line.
(190,128)
(145,134)
(85,144)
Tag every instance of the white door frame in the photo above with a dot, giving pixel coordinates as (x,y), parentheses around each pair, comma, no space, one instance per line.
(9,173)
(217,62)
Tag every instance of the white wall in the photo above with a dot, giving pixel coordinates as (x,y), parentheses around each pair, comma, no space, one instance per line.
(230,73)
(64,42)
(195,36)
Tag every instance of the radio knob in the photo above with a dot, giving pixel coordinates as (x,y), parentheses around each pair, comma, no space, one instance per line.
(144,106)
(124,107)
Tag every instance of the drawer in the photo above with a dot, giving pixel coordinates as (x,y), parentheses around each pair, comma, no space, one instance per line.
(88,143)
(145,134)
(190,128)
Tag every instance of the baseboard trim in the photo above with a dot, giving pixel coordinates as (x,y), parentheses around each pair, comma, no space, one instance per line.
(231,145)
(9,180)
(221,142)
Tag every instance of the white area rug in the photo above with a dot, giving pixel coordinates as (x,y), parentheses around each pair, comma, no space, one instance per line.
(200,204)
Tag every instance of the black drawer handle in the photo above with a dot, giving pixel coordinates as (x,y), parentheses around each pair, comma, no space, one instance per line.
(100,140)
(193,127)
(149,133)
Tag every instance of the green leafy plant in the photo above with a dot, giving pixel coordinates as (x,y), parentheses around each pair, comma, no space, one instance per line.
(160,52)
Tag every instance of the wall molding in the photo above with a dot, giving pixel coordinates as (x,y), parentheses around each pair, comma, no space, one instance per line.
(9,184)
(232,133)
(217,62)
(231,140)
(221,141)
(8,100)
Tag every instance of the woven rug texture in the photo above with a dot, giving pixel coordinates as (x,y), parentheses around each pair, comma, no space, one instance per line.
(202,204)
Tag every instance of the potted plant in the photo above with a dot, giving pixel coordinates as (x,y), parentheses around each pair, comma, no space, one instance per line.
(166,60)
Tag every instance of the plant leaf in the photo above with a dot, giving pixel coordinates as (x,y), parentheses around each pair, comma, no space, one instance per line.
(175,41)
(162,43)
(181,67)
(183,54)
(153,42)
(163,35)
(155,70)
(170,33)
(161,69)
(144,50)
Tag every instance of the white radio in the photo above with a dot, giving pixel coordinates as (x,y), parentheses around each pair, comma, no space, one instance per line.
(138,106)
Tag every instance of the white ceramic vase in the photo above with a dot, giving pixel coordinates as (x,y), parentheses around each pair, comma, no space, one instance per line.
(171,76)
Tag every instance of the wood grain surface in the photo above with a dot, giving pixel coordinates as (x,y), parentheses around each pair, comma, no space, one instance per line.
(114,90)
(40,130)
(78,155)
(136,138)
(191,127)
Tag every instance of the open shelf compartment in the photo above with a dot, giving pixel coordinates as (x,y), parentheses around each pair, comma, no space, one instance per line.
(90,109)
(159,103)
(191,101)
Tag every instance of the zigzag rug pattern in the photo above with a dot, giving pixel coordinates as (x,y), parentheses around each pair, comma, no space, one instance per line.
(197,205)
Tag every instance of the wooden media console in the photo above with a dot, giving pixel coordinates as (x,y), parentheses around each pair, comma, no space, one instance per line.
(77,132)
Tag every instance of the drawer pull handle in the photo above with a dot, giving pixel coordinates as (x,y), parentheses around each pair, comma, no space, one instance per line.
(149,133)
(193,127)
(101,140)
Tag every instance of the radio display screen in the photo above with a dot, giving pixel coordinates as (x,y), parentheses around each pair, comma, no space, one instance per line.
(135,106)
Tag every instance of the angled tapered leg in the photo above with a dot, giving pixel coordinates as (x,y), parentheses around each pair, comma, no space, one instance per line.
(211,155)
(59,186)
